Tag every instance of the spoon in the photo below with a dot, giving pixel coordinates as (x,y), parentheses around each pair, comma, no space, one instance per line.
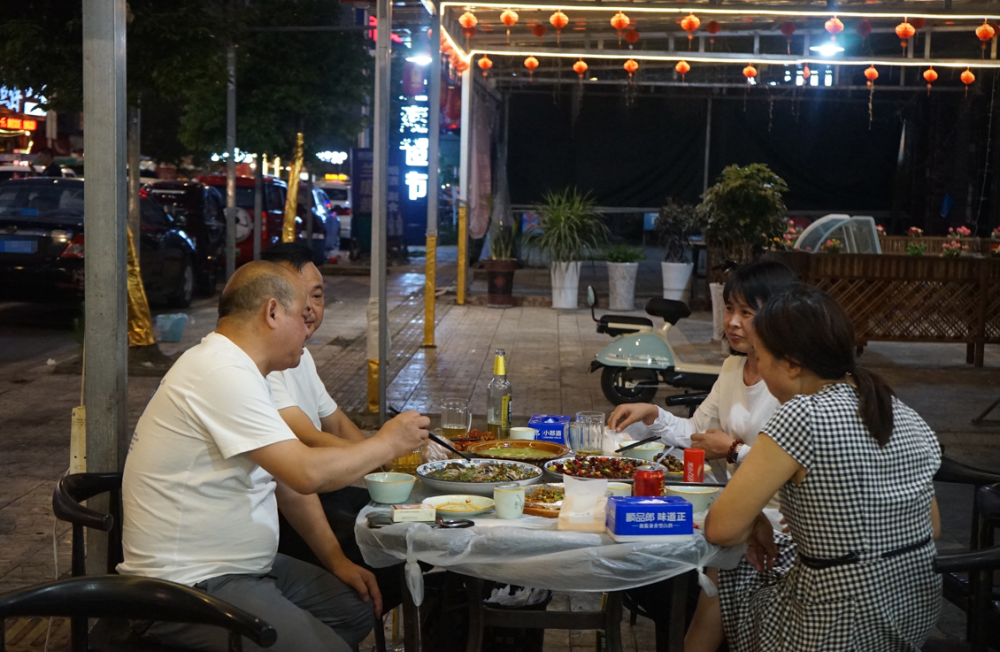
(662,456)
(446,444)
(637,444)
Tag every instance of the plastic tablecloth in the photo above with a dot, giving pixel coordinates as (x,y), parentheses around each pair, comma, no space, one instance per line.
(532,552)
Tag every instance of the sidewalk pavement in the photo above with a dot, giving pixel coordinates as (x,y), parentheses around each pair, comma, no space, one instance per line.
(548,356)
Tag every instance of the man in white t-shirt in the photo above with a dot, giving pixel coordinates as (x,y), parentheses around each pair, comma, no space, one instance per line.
(308,409)
(210,462)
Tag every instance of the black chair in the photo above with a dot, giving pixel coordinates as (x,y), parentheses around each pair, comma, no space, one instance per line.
(690,400)
(136,598)
(173,603)
(983,615)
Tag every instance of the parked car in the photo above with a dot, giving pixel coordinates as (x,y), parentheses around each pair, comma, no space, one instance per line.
(272,218)
(42,244)
(339,198)
(321,211)
(198,210)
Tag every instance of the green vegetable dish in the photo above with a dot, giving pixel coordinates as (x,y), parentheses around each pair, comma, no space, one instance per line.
(516,453)
(493,472)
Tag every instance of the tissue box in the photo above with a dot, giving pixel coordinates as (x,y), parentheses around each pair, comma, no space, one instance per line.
(644,516)
(413,513)
(550,427)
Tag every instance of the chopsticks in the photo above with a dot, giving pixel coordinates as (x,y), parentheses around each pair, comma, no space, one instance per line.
(446,444)
(637,443)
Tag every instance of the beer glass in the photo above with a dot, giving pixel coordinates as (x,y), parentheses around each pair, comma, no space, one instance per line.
(456,418)
(585,438)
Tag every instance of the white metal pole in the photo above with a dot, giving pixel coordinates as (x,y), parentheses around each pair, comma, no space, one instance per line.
(433,182)
(231,161)
(465,192)
(383,56)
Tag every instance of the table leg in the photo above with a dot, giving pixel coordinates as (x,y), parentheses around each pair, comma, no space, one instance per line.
(613,621)
(474,595)
(411,617)
(677,614)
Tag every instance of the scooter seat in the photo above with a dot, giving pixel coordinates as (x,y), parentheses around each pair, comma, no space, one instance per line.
(671,311)
(615,325)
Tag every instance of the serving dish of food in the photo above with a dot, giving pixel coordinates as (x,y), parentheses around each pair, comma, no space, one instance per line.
(471,438)
(533,452)
(598,467)
(544,499)
(459,506)
(476,476)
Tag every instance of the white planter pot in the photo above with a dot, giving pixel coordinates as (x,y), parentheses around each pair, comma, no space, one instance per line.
(565,284)
(621,283)
(718,310)
(676,280)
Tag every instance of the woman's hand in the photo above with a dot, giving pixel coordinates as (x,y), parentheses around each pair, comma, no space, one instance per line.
(629,413)
(761,551)
(715,443)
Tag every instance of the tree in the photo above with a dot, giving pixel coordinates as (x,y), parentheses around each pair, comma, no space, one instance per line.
(313,82)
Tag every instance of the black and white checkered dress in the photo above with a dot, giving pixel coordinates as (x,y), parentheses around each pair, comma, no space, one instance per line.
(858,499)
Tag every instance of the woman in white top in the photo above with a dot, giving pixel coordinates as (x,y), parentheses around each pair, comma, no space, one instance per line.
(726,424)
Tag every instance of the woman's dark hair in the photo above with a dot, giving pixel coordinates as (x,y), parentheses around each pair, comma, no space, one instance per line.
(756,282)
(808,327)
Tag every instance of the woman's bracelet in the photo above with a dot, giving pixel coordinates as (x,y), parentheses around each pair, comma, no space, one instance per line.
(734,451)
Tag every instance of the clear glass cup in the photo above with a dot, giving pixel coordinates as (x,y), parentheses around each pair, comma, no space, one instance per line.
(456,418)
(591,417)
(585,438)
(407,463)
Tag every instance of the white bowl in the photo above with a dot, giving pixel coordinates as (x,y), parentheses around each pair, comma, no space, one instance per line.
(523,433)
(701,498)
(478,488)
(389,488)
(620,488)
(461,506)
(646,451)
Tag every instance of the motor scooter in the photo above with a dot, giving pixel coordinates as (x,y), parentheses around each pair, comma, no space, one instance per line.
(634,366)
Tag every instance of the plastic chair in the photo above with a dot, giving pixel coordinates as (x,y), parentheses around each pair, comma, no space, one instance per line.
(174,603)
(136,598)
(984,618)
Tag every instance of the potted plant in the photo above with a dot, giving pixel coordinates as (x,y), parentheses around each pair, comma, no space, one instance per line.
(568,231)
(675,225)
(916,248)
(744,211)
(501,264)
(623,266)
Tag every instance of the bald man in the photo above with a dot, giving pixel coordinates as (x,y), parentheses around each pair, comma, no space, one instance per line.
(210,462)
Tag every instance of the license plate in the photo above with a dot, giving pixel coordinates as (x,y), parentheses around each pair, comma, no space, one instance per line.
(12,246)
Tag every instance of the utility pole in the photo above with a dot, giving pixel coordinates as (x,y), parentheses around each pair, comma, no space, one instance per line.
(134,155)
(231,150)
(433,183)
(106,205)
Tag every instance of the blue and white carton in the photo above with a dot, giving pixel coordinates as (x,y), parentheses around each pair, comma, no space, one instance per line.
(550,427)
(631,517)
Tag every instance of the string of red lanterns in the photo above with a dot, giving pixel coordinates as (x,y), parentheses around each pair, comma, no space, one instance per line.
(531,63)
(485,64)
(713,28)
(632,37)
(580,67)
(559,20)
(985,32)
(905,32)
(930,76)
(509,18)
(968,79)
(620,21)
(539,30)
(689,24)
(749,72)
(788,28)
(834,27)
(683,67)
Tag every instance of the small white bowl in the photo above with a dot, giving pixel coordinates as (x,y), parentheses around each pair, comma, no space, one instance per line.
(701,498)
(646,451)
(389,488)
(523,433)
(620,488)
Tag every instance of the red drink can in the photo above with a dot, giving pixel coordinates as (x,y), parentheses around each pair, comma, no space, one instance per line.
(694,465)
(648,482)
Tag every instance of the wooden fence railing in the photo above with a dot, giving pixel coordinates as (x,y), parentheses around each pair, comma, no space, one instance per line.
(911,298)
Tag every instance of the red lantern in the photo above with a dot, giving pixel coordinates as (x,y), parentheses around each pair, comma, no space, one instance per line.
(871,74)
(631,36)
(453,109)
(620,21)
(485,64)
(509,18)
(558,20)
(905,32)
(539,30)
(683,67)
(864,28)
(579,68)
(930,76)
(806,73)
(531,63)
(918,23)
(689,24)
(468,19)
(788,28)
(749,72)
(712,28)
(834,26)
(985,32)
(967,78)
(631,66)
(468,32)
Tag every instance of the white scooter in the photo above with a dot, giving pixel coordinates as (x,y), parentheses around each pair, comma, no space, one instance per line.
(634,366)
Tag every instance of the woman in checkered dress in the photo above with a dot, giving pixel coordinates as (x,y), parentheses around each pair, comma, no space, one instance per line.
(855,468)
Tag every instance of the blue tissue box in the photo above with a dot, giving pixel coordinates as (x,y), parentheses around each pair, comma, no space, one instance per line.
(649,515)
(550,427)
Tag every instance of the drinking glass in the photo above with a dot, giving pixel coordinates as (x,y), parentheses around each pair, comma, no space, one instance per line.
(590,417)
(585,438)
(456,418)
(407,463)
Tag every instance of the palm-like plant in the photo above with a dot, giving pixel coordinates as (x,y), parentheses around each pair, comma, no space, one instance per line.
(568,227)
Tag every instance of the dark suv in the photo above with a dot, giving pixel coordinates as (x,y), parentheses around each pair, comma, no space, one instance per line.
(198,210)
(42,244)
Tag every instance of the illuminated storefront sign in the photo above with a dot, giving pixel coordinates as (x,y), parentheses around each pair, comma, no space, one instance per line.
(18,124)
(334,158)
(414,125)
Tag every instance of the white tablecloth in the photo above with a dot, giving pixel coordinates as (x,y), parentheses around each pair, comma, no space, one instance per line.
(532,552)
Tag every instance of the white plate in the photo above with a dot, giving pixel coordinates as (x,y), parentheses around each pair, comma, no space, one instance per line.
(560,476)
(469,505)
(479,488)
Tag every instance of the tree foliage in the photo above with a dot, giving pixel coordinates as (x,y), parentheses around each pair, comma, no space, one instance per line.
(745,209)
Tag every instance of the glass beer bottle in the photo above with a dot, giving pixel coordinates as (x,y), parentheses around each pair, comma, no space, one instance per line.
(498,407)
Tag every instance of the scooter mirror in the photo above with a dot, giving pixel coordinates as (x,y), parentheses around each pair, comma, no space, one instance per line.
(591,296)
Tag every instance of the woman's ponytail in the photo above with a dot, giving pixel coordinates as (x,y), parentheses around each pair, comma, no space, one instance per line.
(874,404)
